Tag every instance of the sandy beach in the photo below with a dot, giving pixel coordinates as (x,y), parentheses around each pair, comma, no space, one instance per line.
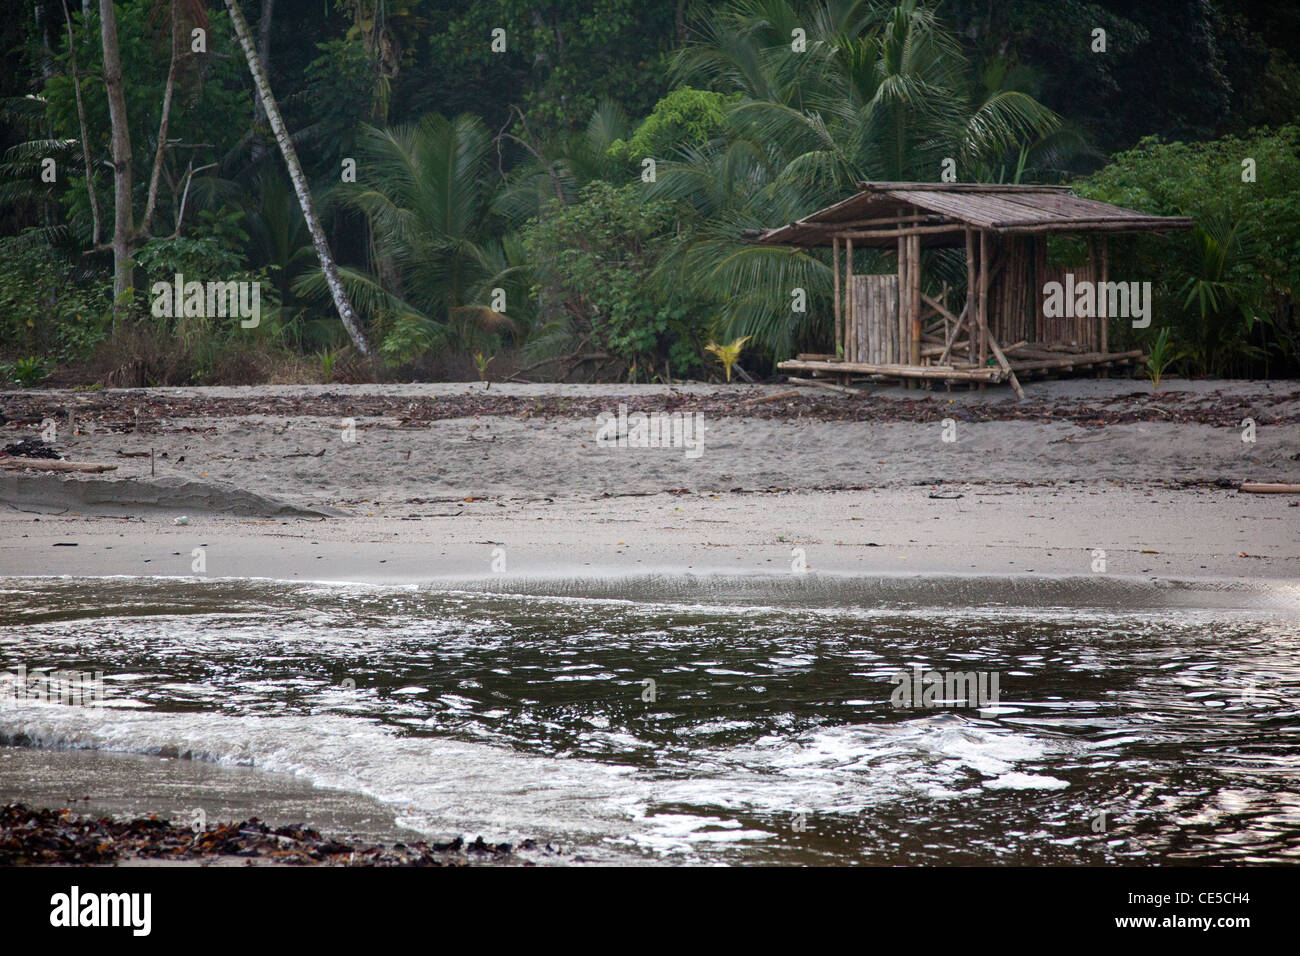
(428,482)
(1092,493)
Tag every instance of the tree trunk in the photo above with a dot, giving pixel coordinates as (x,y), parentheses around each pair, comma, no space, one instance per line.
(47,54)
(123,216)
(168,92)
(327,264)
(81,119)
(263,51)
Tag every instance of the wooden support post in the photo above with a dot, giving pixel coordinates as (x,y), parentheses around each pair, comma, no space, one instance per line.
(971,304)
(1006,367)
(1104,344)
(984,299)
(914,309)
(850,319)
(1084,327)
(835,270)
(904,301)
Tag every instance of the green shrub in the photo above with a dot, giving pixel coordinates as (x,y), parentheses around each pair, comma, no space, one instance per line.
(592,266)
(43,310)
(1226,289)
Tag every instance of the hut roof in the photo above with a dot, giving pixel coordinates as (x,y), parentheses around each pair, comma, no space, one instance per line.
(1019,209)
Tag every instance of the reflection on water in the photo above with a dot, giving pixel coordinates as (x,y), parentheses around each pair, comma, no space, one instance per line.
(1157,735)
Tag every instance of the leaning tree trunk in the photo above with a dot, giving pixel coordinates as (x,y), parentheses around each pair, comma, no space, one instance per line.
(327,264)
(123,217)
(259,147)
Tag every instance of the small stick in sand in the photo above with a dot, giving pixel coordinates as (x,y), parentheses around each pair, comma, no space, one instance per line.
(773,397)
(1266,488)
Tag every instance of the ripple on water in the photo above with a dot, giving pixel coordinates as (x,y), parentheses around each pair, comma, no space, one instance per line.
(685,730)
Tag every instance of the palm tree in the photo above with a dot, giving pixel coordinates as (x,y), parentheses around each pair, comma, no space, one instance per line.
(329,268)
(560,169)
(879,93)
(1222,306)
(428,199)
(278,241)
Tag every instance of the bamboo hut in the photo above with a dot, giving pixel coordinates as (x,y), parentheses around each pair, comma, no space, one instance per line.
(890,325)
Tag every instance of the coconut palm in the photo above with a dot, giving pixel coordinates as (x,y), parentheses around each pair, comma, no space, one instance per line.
(560,169)
(1221,305)
(329,269)
(427,193)
(879,93)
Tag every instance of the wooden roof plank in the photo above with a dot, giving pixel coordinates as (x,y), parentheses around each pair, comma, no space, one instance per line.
(996,206)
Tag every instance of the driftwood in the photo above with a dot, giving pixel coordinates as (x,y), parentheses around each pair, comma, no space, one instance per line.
(1266,488)
(576,358)
(1071,361)
(773,397)
(814,383)
(46,464)
(898,371)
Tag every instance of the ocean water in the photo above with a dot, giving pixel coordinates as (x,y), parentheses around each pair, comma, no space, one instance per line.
(689,720)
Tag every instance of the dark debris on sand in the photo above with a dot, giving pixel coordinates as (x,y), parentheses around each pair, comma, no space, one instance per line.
(29,448)
(31,836)
(129,410)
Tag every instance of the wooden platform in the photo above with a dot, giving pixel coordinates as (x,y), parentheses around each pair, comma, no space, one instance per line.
(941,372)
(1021,361)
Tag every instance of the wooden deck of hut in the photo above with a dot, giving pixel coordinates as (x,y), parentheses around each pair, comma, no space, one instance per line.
(888,325)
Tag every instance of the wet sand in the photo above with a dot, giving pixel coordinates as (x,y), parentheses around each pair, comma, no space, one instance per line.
(990,529)
(521,487)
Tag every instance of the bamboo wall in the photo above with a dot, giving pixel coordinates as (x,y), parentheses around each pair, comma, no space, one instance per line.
(1013,304)
(1016,297)
(1082,333)
(875,315)
(878,325)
